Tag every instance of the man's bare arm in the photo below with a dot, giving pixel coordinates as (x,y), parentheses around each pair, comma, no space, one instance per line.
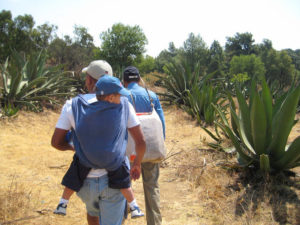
(140,148)
(58,140)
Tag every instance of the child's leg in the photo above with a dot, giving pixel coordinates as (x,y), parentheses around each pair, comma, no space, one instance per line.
(120,179)
(63,202)
(67,193)
(128,194)
(73,181)
(134,208)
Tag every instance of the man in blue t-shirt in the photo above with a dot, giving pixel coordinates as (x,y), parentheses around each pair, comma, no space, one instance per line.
(150,171)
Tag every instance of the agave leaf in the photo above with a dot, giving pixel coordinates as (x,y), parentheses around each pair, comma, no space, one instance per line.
(16,80)
(258,125)
(241,132)
(28,104)
(210,134)
(31,87)
(214,145)
(296,164)
(222,115)
(175,92)
(217,131)
(178,76)
(291,156)
(244,162)
(278,103)
(235,141)
(42,97)
(267,100)
(233,110)
(5,76)
(245,115)
(36,66)
(282,124)
(252,92)
(264,163)
(33,90)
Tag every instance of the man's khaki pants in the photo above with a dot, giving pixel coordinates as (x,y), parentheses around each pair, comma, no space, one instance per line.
(150,174)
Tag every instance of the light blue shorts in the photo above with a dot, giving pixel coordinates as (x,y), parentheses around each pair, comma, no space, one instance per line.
(102,201)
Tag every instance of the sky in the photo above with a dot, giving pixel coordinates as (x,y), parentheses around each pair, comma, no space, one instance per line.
(165,21)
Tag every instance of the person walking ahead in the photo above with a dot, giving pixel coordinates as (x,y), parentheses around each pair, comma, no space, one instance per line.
(150,171)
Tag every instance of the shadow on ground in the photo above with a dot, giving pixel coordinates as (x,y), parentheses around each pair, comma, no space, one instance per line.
(278,191)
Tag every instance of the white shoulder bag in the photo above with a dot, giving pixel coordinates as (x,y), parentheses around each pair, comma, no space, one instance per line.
(153,132)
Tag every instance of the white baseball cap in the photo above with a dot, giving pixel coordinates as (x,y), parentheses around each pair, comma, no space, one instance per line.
(98,68)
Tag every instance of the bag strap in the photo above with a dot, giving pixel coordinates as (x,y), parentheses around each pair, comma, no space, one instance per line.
(133,102)
(150,98)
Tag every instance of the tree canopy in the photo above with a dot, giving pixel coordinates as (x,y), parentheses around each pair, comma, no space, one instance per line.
(122,44)
(240,44)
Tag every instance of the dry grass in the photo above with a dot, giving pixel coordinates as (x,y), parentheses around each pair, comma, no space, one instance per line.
(198,185)
(15,203)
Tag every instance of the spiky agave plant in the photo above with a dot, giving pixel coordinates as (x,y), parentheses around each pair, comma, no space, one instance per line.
(199,100)
(180,78)
(260,129)
(28,82)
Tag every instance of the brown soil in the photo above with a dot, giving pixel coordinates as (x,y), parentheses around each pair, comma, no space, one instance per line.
(198,185)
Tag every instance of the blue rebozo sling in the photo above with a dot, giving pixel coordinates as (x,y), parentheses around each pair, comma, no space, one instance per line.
(100,136)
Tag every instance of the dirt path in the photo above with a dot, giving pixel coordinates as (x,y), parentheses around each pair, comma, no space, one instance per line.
(28,161)
(190,192)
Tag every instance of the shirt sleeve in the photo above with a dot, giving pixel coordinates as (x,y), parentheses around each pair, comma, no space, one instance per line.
(66,118)
(133,120)
(160,113)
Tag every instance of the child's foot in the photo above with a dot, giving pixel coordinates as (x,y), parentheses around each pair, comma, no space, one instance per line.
(61,209)
(136,212)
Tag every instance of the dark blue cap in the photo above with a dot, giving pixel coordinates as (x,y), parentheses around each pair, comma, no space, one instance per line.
(131,73)
(109,85)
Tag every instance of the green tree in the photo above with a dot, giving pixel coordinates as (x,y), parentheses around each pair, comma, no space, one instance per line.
(195,51)
(56,51)
(22,38)
(295,56)
(44,34)
(19,34)
(172,49)
(266,46)
(82,37)
(240,44)
(146,65)
(279,67)
(15,34)
(165,56)
(244,67)
(6,30)
(122,45)
(250,64)
(74,53)
(216,60)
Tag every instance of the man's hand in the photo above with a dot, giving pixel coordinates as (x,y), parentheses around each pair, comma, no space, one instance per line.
(135,171)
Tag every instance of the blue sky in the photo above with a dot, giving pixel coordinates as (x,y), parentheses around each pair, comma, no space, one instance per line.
(165,21)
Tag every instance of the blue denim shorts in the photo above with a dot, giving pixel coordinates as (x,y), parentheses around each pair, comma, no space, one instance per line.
(100,200)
